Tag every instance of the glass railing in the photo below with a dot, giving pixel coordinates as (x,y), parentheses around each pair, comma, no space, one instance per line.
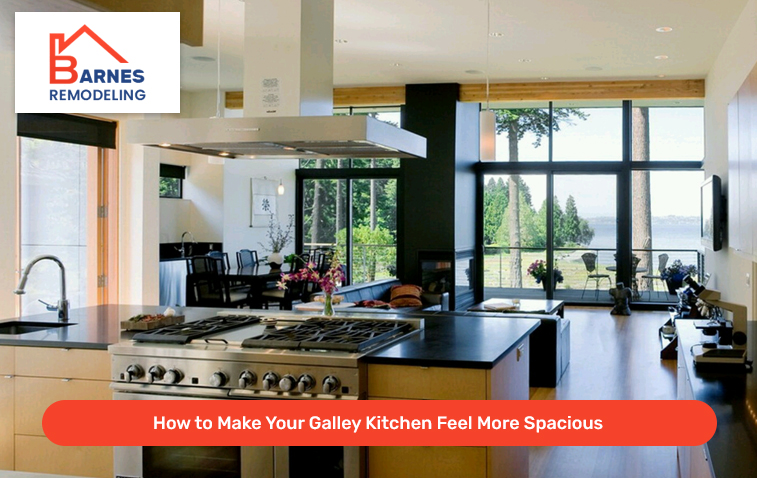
(587,273)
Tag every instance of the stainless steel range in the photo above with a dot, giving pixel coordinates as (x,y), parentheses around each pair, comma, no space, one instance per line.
(249,355)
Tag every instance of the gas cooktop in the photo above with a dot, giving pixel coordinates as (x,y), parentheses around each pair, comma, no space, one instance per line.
(348,335)
(186,332)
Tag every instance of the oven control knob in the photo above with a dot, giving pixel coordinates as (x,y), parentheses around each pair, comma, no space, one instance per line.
(247,378)
(287,383)
(155,373)
(218,379)
(173,375)
(330,384)
(305,383)
(270,380)
(134,372)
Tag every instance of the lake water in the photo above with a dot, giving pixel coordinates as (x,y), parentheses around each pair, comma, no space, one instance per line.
(667,233)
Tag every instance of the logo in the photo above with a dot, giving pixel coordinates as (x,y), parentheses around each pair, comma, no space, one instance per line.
(97,62)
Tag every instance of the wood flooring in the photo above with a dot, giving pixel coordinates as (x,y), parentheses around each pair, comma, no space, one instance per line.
(612,358)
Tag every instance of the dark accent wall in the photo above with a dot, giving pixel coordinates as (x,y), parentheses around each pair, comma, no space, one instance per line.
(439,192)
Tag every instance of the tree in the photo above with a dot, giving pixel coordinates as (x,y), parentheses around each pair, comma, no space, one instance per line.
(516,123)
(642,208)
(570,225)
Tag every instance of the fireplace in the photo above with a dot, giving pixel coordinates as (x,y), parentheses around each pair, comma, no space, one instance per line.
(452,272)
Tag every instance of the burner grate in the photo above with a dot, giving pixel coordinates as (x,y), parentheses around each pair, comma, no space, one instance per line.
(186,332)
(331,334)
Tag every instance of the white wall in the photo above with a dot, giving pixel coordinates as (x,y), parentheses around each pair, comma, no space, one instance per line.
(8,201)
(735,61)
(237,233)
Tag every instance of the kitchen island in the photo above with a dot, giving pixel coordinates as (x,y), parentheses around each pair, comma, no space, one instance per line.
(451,358)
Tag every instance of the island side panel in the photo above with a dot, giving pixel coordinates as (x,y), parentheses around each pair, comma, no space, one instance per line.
(6,407)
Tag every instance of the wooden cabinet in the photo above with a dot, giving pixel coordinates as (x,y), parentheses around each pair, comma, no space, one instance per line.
(39,377)
(742,168)
(693,461)
(39,455)
(508,380)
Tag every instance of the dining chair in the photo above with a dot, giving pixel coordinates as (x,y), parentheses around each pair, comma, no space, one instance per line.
(221,261)
(247,258)
(662,262)
(590,262)
(207,288)
(284,298)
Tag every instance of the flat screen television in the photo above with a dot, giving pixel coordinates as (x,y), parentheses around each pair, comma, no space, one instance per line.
(711,225)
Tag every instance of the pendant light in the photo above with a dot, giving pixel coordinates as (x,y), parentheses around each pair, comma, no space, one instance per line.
(280,189)
(487,119)
(221,160)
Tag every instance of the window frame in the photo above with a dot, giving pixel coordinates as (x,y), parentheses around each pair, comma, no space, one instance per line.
(180,186)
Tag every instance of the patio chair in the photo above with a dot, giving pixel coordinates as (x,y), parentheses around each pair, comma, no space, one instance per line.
(662,262)
(590,261)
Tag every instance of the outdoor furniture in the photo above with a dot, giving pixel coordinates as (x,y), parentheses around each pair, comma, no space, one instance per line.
(662,262)
(590,261)
(635,269)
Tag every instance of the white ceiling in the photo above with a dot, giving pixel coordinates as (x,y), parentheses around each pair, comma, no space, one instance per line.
(438,40)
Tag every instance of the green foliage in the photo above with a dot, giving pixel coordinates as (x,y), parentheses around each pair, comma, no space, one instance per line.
(170,187)
(520,121)
(374,252)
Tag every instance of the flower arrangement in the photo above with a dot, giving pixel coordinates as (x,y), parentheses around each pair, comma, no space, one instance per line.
(538,270)
(328,281)
(677,271)
(277,237)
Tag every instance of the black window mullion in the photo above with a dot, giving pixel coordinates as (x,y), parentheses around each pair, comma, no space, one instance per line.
(348,236)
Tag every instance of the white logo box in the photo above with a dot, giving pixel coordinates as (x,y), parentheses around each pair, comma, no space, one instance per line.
(148,41)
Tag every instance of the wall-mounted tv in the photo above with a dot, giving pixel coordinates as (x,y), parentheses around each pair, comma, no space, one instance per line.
(712,225)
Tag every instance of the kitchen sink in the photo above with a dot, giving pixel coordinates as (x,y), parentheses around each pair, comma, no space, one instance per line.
(20,327)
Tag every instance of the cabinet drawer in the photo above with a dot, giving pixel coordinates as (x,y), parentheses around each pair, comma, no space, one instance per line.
(40,455)
(34,395)
(432,383)
(427,462)
(62,363)
(6,361)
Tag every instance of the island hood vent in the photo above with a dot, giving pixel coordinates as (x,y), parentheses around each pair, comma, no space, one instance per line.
(288,98)
(283,137)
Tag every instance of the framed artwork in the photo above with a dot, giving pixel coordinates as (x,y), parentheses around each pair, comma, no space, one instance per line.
(262,201)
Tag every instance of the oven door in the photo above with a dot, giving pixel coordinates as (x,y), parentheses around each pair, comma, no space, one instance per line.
(230,461)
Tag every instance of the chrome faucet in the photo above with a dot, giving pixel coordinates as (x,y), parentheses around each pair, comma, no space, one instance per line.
(62,306)
(183,250)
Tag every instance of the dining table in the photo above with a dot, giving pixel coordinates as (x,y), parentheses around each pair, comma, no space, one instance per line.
(258,277)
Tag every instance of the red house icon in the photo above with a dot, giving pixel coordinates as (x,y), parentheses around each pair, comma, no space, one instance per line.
(58,43)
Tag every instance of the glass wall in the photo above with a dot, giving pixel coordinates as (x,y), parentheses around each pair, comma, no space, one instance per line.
(522,131)
(587,131)
(668,130)
(54,210)
(515,234)
(324,214)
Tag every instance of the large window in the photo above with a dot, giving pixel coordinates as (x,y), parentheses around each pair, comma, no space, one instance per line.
(607,193)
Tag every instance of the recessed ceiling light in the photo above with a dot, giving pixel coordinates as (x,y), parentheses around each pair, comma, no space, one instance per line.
(593,68)
(224,153)
(340,40)
(544,78)
(397,64)
(661,57)
(525,60)
(203,58)
(165,145)
(660,76)
(496,34)
(474,72)
(664,29)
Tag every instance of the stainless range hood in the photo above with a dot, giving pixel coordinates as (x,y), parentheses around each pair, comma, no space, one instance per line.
(283,137)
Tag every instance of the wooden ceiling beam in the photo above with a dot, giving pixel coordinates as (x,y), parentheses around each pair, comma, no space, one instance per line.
(541,91)
(191,13)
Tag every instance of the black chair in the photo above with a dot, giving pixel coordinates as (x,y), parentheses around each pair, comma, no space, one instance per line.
(590,262)
(247,258)
(284,298)
(221,261)
(207,286)
(662,262)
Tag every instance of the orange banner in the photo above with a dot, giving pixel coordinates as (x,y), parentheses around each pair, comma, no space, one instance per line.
(377,423)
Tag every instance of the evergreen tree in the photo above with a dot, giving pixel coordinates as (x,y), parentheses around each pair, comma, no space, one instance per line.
(570,224)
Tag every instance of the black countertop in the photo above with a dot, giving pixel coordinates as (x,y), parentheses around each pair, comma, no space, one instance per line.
(458,341)
(447,340)
(733,397)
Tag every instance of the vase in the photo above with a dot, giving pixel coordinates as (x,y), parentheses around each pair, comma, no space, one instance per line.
(275,260)
(674,285)
(545,284)
(328,306)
